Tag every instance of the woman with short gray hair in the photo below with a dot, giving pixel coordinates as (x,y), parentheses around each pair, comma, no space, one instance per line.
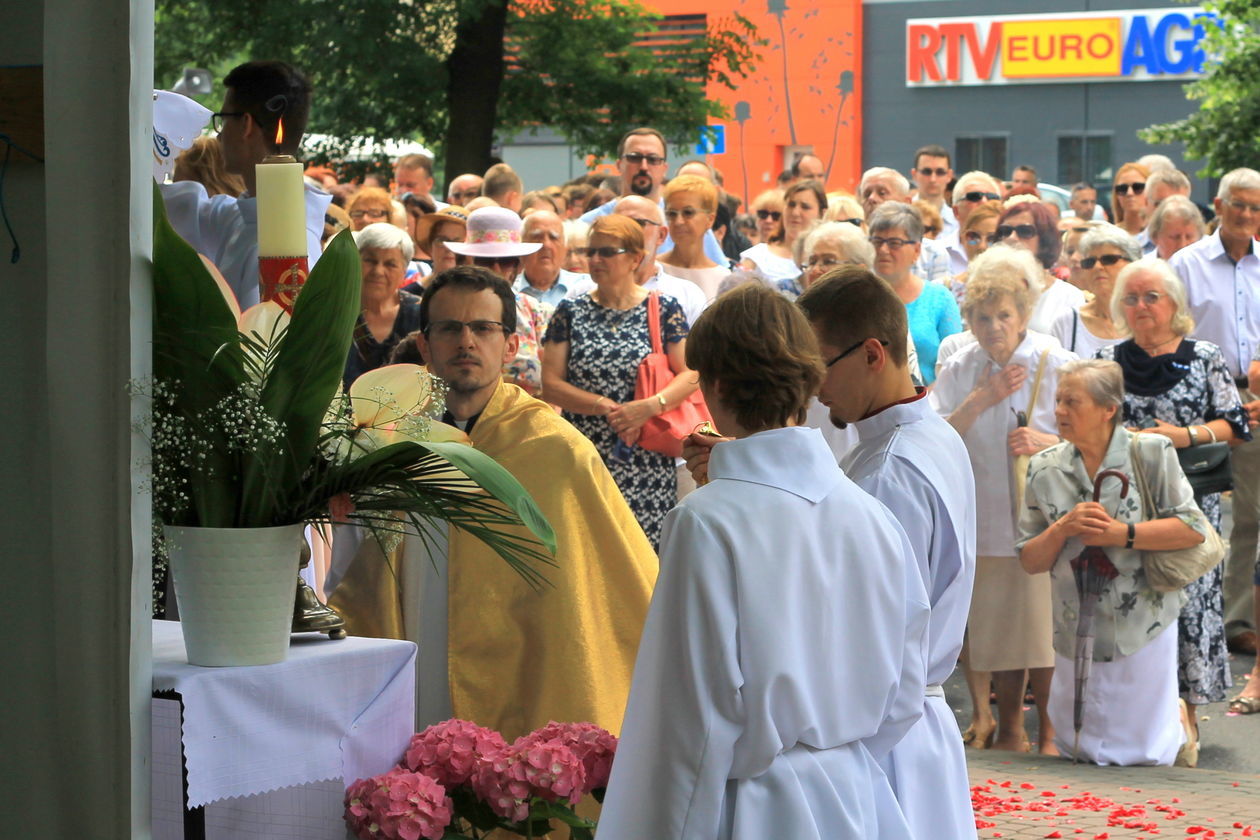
(830,245)
(1104,252)
(896,232)
(1132,712)
(1179,389)
(1175,224)
(389,313)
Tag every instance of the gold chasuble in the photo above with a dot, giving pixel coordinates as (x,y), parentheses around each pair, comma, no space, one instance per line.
(519,658)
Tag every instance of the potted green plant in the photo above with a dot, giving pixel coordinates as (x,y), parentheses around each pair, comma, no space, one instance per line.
(252,438)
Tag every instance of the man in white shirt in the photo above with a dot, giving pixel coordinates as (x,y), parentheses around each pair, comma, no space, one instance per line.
(259,96)
(970,191)
(1222,277)
(542,276)
(931,173)
(880,184)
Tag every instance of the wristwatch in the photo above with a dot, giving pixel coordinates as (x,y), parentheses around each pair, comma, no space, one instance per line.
(1132,533)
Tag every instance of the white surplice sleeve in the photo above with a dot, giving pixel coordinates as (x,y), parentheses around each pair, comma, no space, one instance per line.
(685,712)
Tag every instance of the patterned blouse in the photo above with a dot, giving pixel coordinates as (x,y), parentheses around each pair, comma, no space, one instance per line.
(366,353)
(1130,613)
(532,316)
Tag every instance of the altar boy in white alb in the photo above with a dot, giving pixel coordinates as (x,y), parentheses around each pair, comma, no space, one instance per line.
(260,96)
(914,462)
(788,619)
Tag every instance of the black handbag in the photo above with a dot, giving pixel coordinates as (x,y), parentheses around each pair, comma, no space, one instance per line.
(1207,468)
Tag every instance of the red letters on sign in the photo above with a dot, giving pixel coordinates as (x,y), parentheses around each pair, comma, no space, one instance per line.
(984,60)
(922,42)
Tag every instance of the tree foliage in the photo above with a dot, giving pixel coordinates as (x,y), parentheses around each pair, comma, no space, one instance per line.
(1225,130)
(383,68)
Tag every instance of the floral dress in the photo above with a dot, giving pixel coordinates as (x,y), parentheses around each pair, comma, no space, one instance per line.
(605,348)
(1205,392)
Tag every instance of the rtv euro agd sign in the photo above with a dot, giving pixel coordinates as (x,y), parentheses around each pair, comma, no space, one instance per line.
(1142,45)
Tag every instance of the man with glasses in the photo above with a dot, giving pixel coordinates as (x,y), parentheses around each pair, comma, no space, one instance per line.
(464,188)
(485,636)
(1222,277)
(543,276)
(259,97)
(970,191)
(932,173)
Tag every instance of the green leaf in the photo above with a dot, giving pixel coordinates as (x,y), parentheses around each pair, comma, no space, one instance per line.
(305,376)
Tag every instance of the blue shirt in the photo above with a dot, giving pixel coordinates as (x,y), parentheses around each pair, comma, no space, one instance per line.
(568,284)
(933,315)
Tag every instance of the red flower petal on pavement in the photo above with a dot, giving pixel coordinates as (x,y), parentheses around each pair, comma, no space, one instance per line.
(1048,793)
(1195,829)
(1054,834)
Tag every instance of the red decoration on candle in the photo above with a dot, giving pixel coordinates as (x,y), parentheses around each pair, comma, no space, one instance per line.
(281,278)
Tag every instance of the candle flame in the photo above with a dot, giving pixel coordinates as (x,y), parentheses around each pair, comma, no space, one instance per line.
(279,131)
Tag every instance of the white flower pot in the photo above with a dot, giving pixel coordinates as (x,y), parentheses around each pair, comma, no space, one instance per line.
(235,589)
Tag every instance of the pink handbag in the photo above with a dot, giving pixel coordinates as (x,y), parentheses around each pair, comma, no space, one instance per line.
(665,432)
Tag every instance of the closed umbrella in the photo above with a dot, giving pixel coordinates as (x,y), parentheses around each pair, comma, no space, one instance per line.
(1093,571)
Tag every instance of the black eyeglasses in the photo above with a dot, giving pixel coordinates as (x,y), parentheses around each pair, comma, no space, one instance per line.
(1123,189)
(217,118)
(773,215)
(606,252)
(638,157)
(644,222)
(893,243)
(938,171)
(977,196)
(851,349)
(455,329)
(1022,231)
(492,262)
(371,214)
(1105,259)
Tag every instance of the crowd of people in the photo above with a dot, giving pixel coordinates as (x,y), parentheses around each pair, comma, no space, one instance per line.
(917,381)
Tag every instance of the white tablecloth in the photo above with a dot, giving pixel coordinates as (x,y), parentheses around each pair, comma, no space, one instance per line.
(338,710)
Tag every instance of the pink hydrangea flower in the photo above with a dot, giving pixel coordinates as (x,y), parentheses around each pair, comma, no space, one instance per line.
(594,745)
(449,751)
(398,805)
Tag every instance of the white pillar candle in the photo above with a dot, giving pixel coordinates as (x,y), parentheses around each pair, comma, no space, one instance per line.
(281,207)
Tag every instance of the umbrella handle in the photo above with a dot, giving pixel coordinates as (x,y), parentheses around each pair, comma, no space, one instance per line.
(1098,480)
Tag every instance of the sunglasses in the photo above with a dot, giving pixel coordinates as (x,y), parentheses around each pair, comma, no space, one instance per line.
(606,252)
(974,238)
(465,194)
(1105,259)
(773,215)
(687,213)
(1022,231)
(938,171)
(491,262)
(638,157)
(856,222)
(1149,298)
(980,196)
(1123,189)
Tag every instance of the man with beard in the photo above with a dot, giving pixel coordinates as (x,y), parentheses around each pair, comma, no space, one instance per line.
(493,649)
(641,166)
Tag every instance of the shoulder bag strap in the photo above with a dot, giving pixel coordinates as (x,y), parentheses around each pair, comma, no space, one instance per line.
(654,321)
(1149,510)
(1036,388)
(1076,319)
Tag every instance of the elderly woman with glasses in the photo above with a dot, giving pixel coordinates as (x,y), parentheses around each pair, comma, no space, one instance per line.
(896,233)
(593,347)
(1181,389)
(998,392)
(831,245)
(389,313)
(369,206)
(1029,224)
(1131,713)
(690,208)
(1175,224)
(803,204)
(1128,206)
(1104,252)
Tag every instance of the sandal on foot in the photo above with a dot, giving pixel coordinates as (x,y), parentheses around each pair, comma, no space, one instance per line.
(1188,755)
(1244,705)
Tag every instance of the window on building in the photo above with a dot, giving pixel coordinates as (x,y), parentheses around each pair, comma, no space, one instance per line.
(986,152)
(1084,157)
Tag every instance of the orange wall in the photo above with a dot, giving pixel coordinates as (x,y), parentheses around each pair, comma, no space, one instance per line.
(820,39)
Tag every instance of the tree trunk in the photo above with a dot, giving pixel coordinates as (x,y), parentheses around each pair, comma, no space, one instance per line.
(475,70)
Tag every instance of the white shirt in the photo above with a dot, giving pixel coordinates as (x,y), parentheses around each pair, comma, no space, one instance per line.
(1061,296)
(771,266)
(1072,333)
(705,279)
(952,242)
(933,264)
(987,438)
(688,294)
(1224,298)
(914,462)
(225,229)
(752,694)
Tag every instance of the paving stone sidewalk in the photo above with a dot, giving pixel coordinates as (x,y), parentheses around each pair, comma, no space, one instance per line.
(1030,796)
